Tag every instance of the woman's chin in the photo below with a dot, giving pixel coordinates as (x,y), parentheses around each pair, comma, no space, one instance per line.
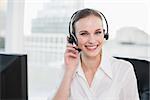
(92,53)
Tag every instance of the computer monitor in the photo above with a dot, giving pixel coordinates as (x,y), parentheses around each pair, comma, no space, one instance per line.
(13,77)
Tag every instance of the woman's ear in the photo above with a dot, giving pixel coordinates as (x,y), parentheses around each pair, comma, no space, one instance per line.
(104,31)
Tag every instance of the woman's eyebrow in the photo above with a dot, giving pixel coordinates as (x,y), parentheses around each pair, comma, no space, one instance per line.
(98,29)
(83,31)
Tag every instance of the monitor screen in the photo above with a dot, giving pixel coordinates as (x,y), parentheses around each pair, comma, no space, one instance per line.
(13,77)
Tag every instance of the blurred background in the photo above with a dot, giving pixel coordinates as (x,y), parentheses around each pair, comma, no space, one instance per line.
(39,28)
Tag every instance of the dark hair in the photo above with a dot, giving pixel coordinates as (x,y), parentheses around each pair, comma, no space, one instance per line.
(82,14)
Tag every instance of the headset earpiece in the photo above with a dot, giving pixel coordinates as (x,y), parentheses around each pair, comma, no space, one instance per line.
(106,36)
(71,39)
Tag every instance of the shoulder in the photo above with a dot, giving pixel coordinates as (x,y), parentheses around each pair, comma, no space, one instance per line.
(120,63)
(120,66)
(116,64)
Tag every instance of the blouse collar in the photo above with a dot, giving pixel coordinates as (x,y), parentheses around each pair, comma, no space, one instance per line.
(105,65)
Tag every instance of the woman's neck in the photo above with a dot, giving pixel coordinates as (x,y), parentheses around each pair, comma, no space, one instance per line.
(90,63)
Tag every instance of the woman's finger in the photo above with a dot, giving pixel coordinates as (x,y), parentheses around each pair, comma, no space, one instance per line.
(70,45)
(71,55)
(71,49)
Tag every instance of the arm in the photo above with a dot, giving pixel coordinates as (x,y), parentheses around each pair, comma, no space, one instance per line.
(71,61)
(64,89)
(130,89)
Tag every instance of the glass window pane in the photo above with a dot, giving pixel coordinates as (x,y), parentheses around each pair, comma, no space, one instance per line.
(3,7)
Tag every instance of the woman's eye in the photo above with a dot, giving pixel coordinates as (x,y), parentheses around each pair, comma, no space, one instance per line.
(84,34)
(99,32)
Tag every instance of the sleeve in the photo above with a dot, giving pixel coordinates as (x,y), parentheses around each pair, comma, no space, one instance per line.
(130,89)
(58,77)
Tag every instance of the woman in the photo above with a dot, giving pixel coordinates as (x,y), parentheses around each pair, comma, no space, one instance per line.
(90,73)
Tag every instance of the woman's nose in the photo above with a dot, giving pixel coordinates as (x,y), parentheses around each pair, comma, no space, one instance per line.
(91,39)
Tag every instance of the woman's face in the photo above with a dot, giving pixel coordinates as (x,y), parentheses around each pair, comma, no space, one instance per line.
(89,32)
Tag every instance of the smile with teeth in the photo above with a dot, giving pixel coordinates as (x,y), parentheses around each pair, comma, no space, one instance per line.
(91,47)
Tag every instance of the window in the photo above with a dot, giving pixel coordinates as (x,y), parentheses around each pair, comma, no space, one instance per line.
(3,10)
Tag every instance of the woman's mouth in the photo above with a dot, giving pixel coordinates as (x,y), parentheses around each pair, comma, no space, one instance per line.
(91,47)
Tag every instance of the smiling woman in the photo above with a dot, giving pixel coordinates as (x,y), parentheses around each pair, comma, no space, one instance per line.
(91,73)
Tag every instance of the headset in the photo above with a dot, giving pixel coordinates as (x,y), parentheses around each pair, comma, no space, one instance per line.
(72,38)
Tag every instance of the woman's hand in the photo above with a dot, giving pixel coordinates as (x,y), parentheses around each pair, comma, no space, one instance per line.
(71,58)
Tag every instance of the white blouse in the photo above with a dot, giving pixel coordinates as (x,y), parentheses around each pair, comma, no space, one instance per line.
(114,80)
